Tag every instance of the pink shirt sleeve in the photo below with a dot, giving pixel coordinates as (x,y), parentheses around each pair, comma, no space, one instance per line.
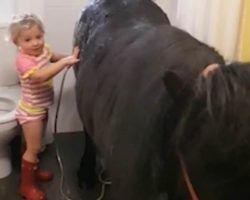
(25,64)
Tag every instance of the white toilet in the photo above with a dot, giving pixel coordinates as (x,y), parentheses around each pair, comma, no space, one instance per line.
(8,129)
(9,96)
(8,125)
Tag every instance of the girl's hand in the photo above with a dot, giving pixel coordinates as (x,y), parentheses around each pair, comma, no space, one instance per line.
(72,59)
(76,51)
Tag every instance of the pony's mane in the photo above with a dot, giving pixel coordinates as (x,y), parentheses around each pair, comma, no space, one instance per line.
(213,136)
(223,87)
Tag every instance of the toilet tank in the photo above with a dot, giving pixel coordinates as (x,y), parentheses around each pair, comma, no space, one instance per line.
(8,75)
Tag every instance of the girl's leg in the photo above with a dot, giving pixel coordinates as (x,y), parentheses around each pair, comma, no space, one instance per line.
(23,145)
(31,154)
(44,175)
(45,122)
(32,132)
(43,145)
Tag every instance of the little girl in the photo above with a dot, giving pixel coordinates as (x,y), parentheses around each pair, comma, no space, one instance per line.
(36,66)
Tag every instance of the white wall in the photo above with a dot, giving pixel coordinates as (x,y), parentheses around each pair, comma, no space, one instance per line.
(6,10)
(59,19)
(8,74)
(205,20)
(169,7)
(30,6)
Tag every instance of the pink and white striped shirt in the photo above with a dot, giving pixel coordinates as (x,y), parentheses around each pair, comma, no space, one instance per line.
(35,97)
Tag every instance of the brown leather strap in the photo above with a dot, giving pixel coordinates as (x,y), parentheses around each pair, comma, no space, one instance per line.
(209,68)
(189,185)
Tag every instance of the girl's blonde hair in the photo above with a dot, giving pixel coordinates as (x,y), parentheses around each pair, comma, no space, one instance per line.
(23,22)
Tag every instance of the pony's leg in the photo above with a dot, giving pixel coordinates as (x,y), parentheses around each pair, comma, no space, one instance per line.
(87,171)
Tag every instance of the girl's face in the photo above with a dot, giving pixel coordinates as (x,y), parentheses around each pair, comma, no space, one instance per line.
(31,41)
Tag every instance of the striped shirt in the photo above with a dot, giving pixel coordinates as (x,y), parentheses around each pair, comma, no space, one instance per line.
(35,97)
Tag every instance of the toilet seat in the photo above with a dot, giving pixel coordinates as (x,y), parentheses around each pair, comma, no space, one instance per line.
(8,129)
(8,105)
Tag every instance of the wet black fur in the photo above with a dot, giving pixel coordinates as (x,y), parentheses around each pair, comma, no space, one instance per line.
(142,99)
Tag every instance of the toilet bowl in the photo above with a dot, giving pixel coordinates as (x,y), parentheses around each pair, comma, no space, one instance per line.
(8,129)
(9,95)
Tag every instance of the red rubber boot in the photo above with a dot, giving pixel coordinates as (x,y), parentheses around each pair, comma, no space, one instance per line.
(28,188)
(44,175)
(41,175)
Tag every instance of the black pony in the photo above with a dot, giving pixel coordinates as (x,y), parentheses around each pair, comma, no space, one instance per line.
(164,128)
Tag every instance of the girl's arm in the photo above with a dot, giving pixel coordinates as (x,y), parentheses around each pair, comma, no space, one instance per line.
(50,71)
(56,57)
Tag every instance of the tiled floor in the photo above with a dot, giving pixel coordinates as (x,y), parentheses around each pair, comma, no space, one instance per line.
(70,148)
